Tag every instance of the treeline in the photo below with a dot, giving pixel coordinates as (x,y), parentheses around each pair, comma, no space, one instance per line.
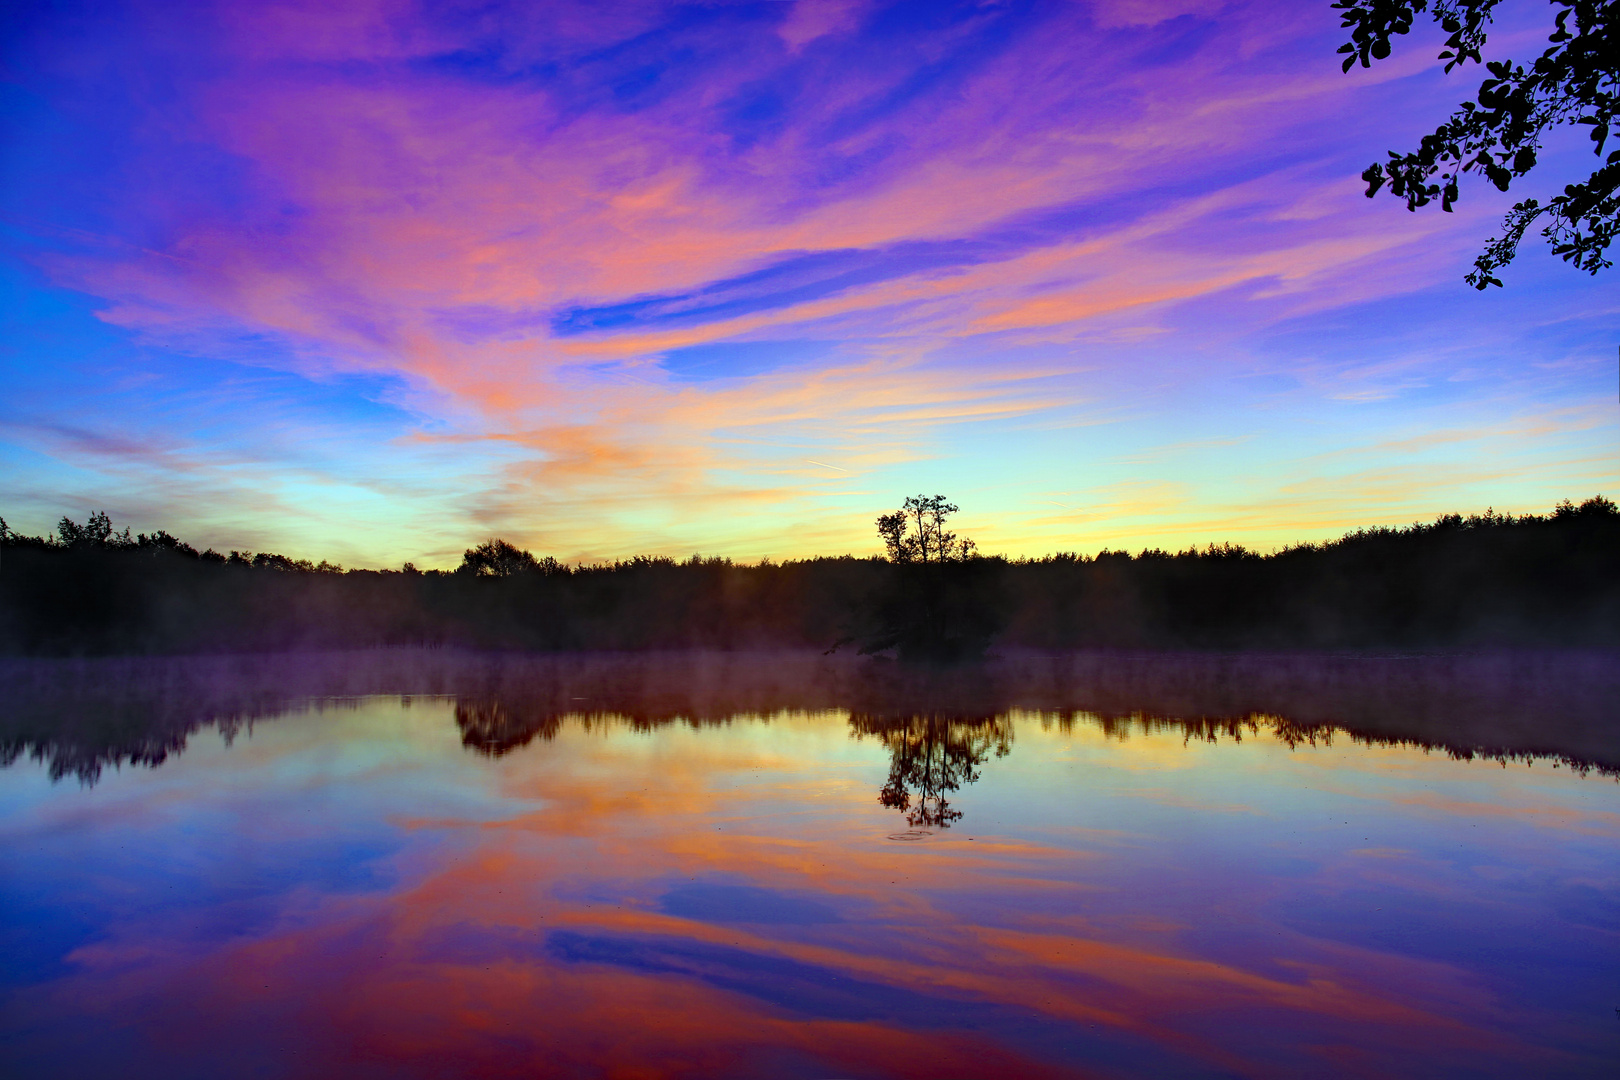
(1481,580)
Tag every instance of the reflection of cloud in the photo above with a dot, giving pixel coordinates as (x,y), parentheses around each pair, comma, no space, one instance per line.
(687,902)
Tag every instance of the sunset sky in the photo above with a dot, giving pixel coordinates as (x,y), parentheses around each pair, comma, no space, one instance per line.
(373,281)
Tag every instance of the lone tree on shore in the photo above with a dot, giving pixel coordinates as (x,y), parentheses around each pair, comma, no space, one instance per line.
(497,558)
(1577,81)
(940,602)
(916,532)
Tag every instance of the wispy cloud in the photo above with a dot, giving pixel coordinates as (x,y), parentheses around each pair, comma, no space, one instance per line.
(988,215)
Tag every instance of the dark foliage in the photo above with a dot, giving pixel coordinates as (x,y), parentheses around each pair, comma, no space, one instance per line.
(1485,579)
(1576,81)
(935,612)
(941,601)
(1466,582)
(916,532)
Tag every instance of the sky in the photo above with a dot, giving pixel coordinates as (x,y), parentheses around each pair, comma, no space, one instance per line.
(374,281)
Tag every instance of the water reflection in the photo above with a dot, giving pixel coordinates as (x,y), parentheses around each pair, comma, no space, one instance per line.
(681,867)
(931,756)
(79,716)
(495,727)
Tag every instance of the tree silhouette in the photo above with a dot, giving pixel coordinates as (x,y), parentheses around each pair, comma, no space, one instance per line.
(916,532)
(497,558)
(97,531)
(938,604)
(1577,81)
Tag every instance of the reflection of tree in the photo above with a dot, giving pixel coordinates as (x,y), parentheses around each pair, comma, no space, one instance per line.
(931,756)
(490,726)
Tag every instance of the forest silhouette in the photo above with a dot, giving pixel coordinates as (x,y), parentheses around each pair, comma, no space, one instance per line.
(1478,581)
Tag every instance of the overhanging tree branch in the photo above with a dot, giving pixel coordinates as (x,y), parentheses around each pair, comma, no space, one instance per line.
(1498,136)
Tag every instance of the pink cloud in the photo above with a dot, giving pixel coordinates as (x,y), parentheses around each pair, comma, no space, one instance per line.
(403,219)
(814,19)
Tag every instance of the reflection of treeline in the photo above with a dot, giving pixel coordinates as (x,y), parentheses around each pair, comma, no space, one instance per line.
(1295,734)
(1482,580)
(1479,580)
(81,715)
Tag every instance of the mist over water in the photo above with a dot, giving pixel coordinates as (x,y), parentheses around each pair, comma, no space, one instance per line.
(421,862)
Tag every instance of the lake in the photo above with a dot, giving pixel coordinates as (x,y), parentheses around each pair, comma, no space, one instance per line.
(424,863)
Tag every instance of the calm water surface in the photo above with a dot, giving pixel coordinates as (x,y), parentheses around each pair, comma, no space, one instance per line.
(464,884)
